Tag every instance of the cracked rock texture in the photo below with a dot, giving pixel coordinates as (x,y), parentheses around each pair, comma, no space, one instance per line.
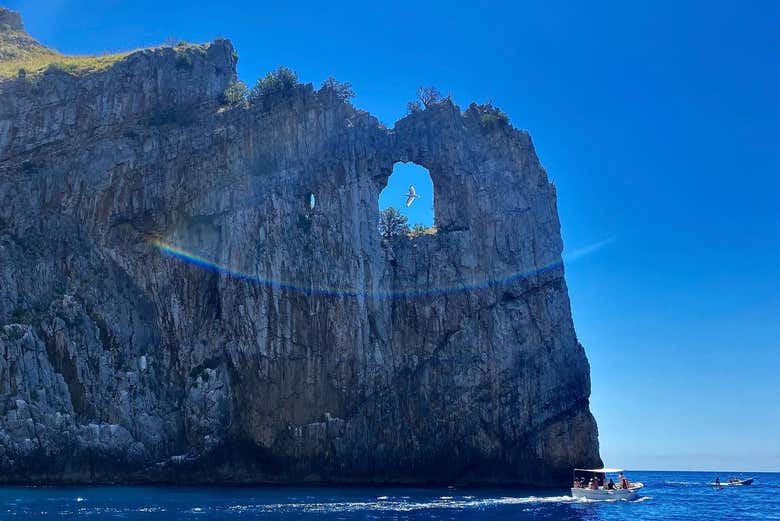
(171,308)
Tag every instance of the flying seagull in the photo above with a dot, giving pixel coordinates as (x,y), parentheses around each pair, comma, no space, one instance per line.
(411,196)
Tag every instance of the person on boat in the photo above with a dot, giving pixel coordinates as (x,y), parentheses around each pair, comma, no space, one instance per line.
(717,482)
(611,485)
(623,481)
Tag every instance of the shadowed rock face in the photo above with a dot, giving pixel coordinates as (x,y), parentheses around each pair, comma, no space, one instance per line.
(10,20)
(171,309)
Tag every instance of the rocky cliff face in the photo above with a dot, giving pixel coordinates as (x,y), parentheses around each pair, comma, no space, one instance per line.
(172,309)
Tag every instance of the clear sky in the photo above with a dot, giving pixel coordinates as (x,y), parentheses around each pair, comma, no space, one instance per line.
(659,123)
(394,194)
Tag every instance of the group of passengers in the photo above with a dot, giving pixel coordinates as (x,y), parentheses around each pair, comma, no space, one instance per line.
(597,483)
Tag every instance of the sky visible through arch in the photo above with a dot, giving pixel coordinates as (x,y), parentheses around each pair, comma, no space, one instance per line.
(394,194)
(659,124)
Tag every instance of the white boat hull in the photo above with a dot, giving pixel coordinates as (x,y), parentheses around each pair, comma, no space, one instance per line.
(607,495)
(738,483)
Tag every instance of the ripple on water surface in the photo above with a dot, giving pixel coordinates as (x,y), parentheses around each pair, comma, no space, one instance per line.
(667,495)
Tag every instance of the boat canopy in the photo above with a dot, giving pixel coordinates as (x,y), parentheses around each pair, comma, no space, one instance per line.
(600,471)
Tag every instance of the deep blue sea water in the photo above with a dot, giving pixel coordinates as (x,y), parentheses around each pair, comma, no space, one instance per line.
(666,496)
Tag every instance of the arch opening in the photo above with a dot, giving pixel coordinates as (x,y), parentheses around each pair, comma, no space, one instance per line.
(406,204)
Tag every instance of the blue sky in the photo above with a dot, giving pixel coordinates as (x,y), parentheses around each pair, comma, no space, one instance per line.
(658,122)
(394,194)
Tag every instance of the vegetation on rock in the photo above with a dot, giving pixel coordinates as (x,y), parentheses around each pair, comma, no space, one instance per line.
(413,106)
(39,60)
(428,96)
(341,90)
(275,82)
(392,223)
(21,56)
(489,115)
(236,94)
(419,229)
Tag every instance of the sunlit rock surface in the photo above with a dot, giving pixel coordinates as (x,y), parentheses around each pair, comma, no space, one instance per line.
(171,308)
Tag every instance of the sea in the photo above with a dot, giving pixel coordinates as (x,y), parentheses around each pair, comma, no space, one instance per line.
(666,496)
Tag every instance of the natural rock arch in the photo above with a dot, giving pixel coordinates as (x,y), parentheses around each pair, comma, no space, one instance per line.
(323,355)
(404,174)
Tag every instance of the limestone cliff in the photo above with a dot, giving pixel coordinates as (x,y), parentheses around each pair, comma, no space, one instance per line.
(172,309)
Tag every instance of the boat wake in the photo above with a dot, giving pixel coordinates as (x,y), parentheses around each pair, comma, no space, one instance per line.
(393,504)
(385,503)
(640,499)
(297,506)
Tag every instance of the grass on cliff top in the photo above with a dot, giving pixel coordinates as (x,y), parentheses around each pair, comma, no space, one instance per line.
(19,52)
(37,62)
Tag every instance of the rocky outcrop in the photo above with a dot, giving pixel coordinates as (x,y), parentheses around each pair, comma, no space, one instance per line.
(172,309)
(10,20)
(14,41)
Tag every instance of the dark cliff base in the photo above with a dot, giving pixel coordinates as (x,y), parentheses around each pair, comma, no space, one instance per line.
(246,464)
(173,310)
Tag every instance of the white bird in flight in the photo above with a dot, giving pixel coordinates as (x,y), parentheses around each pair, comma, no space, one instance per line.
(411,196)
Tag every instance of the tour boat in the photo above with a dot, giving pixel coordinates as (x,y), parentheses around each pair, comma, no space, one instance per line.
(734,481)
(602,492)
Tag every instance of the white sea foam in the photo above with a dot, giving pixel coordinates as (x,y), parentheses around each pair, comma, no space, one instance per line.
(150,509)
(382,504)
(614,500)
(400,505)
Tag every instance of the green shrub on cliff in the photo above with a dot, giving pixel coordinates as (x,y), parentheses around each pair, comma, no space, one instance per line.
(340,89)
(489,116)
(426,97)
(413,106)
(236,93)
(494,119)
(275,82)
(392,223)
